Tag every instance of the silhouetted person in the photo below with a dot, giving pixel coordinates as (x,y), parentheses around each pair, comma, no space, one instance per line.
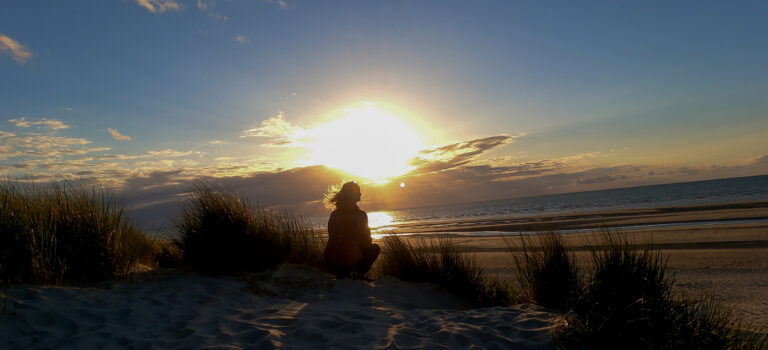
(349,251)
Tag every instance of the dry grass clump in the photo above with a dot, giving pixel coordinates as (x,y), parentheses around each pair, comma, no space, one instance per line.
(66,235)
(547,271)
(221,233)
(442,263)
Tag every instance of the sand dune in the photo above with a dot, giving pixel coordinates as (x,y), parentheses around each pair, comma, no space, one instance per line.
(291,307)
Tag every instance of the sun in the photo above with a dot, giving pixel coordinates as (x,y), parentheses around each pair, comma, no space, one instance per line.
(365,142)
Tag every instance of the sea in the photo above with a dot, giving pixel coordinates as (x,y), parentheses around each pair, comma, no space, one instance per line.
(742,189)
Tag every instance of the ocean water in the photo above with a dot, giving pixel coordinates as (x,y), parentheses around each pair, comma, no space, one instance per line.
(686,193)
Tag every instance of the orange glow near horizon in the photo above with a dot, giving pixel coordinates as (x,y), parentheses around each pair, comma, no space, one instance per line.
(365,142)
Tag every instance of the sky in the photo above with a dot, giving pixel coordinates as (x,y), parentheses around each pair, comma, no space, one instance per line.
(423,102)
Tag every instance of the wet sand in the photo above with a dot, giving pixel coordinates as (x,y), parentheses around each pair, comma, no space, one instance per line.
(722,256)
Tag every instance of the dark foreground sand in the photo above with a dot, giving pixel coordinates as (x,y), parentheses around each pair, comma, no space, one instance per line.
(290,307)
(714,250)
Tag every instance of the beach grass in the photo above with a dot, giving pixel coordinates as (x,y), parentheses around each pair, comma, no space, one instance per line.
(442,262)
(702,322)
(547,271)
(626,300)
(627,296)
(64,234)
(221,233)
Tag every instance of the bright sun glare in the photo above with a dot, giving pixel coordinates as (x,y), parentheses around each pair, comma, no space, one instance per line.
(365,142)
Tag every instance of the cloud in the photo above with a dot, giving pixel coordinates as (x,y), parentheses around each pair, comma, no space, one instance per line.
(116,135)
(281,131)
(14,50)
(241,39)
(760,160)
(159,6)
(166,153)
(216,142)
(283,4)
(45,146)
(46,123)
(202,5)
(457,154)
(219,17)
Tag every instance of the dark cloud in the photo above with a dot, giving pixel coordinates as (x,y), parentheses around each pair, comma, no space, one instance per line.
(596,180)
(456,154)
(688,170)
(155,199)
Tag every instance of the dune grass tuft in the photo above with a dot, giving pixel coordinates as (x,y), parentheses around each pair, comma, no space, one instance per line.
(166,255)
(547,270)
(704,323)
(627,297)
(66,235)
(626,300)
(221,233)
(442,263)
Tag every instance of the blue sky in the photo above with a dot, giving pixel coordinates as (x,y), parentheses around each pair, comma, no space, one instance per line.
(637,92)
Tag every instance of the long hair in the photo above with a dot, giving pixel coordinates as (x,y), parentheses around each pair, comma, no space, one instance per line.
(341,195)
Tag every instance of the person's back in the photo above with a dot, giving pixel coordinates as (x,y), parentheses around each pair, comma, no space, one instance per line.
(349,248)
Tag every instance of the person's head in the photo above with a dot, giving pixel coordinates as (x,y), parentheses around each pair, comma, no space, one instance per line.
(347,195)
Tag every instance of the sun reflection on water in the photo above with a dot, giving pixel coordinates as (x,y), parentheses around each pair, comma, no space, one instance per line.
(380,222)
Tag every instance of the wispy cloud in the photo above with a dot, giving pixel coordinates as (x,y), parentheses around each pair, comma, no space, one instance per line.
(216,142)
(202,5)
(285,4)
(241,38)
(760,160)
(117,136)
(458,154)
(281,131)
(166,153)
(222,18)
(159,6)
(51,124)
(14,50)
(35,145)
